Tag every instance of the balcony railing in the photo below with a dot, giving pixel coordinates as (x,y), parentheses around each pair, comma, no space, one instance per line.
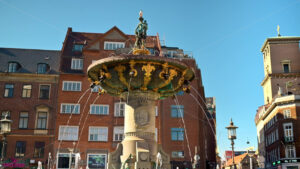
(184,55)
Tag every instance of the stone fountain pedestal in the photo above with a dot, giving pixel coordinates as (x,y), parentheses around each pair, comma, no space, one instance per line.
(139,148)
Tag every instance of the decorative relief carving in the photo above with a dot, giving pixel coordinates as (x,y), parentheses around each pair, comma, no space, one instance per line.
(144,156)
(103,72)
(141,118)
(147,77)
(120,69)
(171,74)
(132,69)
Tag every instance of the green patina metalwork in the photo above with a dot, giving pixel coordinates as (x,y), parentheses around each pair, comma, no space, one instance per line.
(141,33)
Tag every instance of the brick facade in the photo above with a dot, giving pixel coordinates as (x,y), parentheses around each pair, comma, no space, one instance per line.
(31,105)
(195,123)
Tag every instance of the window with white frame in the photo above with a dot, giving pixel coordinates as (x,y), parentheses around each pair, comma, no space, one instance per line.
(287,114)
(96,161)
(119,109)
(290,151)
(99,109)
(68,108)
(96,88)
(77,64)
(68,133)
(71,86)
(288,131)
(98,133)
(113,45)
(26,92)
(118,133)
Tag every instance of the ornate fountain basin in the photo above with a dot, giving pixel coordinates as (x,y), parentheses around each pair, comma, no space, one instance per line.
(126,73)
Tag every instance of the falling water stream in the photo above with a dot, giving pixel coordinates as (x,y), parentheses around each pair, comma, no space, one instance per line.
(70,117)
(84,123)
(185,130)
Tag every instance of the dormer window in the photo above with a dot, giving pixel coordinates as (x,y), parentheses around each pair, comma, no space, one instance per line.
(113,45)
(13,67)
(77,47)
(42,68)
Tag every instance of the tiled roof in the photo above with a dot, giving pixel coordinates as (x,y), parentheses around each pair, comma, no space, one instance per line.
(88,38)
(237,159)
(28,59)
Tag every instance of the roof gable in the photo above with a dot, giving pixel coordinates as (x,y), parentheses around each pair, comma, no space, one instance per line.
(113,34)
(237,159)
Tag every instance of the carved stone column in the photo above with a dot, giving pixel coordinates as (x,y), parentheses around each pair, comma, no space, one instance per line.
(139,126)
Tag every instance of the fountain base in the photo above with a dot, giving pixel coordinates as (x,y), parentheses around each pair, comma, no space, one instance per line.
(142,159)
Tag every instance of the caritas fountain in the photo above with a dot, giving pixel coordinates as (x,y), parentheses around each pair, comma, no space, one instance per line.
(141,80)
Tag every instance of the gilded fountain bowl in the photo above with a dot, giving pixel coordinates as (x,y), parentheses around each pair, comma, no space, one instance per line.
(130,73)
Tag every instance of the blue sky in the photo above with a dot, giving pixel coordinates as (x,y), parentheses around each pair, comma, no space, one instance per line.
(224,36)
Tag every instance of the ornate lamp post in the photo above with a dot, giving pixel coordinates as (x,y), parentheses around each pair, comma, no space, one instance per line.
(232,136)
(5,129)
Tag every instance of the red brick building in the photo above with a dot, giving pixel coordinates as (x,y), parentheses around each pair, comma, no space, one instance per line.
(28,87)
(92,125)
(277,122)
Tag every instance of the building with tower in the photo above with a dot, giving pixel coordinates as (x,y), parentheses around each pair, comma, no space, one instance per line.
(277,121)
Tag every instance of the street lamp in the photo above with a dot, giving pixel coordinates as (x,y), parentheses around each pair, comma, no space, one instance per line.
(5,129)
(232,136)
